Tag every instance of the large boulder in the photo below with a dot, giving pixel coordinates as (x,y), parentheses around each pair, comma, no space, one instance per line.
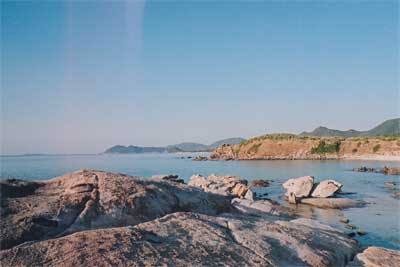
(190,239)
(376,257)
(326,188)
(298,188)
(89,199)
(225,185)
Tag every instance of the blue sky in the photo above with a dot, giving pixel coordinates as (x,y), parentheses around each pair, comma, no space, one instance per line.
(78,77)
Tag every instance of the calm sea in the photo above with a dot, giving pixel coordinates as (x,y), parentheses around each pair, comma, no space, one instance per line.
(380,218)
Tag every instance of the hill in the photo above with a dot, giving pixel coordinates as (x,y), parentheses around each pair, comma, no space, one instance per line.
(387,128)
(182,147)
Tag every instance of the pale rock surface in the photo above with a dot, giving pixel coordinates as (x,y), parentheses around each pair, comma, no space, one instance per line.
(326,188)
(220,184)
(332,203)
(376,257)
(299,187)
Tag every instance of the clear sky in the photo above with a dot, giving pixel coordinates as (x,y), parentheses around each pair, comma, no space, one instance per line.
(80,76)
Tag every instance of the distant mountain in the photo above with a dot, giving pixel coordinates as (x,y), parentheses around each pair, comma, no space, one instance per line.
(188,147)
(228,141)
(182,147)
(387,128)
(134,149)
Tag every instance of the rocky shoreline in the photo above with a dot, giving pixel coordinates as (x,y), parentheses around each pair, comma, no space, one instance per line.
(292,147)
(96,218)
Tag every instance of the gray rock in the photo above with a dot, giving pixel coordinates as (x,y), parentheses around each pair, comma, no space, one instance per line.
(93,199)
(220,184)
(258,207)
(250,195)
(326,188)
(190,239)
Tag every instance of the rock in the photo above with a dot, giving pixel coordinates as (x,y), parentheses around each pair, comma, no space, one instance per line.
(391,171)
(364,169)
(361,232)
(168,177)
(259,183)
(200,158)
(240,190)
(250,195)
(391,184)
(349,226)
(191,239)
(344,220)
(351,234)
(258,207)
(332,203)
(299,187)
(376,257)
(89,199)
(385,170)
(326,188)
(220,184)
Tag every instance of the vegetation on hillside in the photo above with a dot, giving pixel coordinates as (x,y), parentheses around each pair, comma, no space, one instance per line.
(324,147)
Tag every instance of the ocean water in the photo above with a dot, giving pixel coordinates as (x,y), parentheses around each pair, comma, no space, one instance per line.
(380,218)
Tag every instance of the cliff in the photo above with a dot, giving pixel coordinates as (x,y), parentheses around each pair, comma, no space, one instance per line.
(287,146)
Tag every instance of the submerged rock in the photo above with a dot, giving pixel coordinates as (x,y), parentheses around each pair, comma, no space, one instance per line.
(376,257)
(326,188)
(332,203)
(259,183)
(183,239)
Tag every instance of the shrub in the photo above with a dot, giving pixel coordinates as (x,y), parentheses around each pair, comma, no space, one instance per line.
(354,150)
(323,147)
(254,148)
(376,148)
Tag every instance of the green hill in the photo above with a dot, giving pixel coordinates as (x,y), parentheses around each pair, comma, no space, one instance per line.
(387,128)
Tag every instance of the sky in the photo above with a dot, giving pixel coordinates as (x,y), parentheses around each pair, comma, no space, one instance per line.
(81,76)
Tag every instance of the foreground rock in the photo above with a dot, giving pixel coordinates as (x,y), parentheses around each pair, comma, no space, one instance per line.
(326,188)
(93,199)
(190,239)
(298,188)
(220,184)
(332,203)
(376,257)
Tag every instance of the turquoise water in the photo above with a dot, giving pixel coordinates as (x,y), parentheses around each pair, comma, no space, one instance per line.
(380,218)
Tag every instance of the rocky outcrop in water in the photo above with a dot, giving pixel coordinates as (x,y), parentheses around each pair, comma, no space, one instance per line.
(384,170)
(303,190)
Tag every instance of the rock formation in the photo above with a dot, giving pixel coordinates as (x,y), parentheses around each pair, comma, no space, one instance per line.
(289,147)
(95,218)
(303,190)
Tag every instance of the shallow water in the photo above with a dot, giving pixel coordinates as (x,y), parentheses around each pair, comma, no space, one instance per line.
(380,218)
